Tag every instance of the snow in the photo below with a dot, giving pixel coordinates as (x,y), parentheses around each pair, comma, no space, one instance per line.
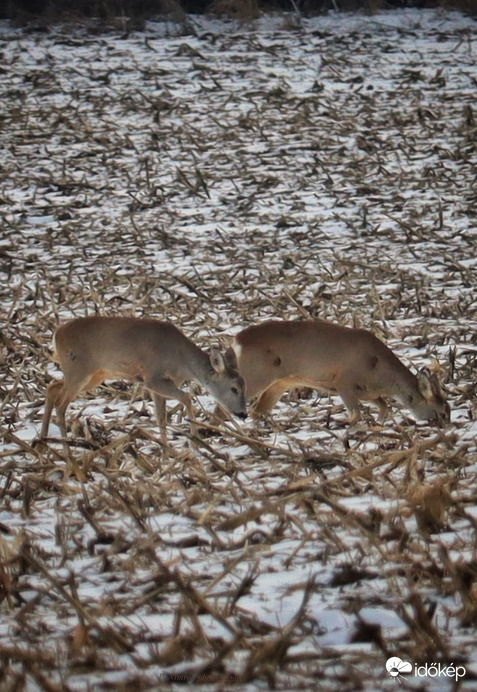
(277,168)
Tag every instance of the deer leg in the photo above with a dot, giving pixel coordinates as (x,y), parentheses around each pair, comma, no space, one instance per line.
(61,407)
(164,388)
(348,394)
(60,394)
(269,398)
(72,389)
(383,408)
(161,414)
(54,394)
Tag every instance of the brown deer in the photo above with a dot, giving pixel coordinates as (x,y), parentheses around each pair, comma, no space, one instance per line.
(92,349)
(276,356)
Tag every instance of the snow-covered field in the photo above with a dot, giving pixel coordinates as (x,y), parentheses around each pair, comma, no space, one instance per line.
(326,167)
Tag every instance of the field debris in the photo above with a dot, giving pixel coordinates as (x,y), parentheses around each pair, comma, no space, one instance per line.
(238,173)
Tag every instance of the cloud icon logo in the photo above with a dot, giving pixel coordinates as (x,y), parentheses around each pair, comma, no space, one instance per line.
(396,666)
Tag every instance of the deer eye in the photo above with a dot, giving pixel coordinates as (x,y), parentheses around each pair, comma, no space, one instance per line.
(234,390)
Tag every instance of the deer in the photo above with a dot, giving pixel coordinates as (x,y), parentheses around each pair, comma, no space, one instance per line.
(92,349)
(275,356)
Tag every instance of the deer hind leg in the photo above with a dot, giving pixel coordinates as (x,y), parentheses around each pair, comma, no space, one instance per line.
(58,397)
(54,394)
(60,394)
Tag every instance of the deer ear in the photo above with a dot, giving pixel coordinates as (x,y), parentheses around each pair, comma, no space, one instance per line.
(424,384)
(217,360)
(231,358)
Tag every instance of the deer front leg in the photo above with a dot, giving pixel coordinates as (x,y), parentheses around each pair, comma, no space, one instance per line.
(163,388)
(161,414)
(383,408)
(346,389)
(269,398)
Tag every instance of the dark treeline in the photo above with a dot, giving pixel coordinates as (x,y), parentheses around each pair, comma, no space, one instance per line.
(24,11)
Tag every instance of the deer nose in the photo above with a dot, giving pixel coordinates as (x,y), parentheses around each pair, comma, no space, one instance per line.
(242,415)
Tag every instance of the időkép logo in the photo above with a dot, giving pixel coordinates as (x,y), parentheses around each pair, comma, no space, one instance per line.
(397,667)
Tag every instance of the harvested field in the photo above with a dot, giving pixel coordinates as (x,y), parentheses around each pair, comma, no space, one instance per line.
(327,168)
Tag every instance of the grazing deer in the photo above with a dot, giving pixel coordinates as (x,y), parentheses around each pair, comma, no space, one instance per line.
(92,349)
(275,356)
